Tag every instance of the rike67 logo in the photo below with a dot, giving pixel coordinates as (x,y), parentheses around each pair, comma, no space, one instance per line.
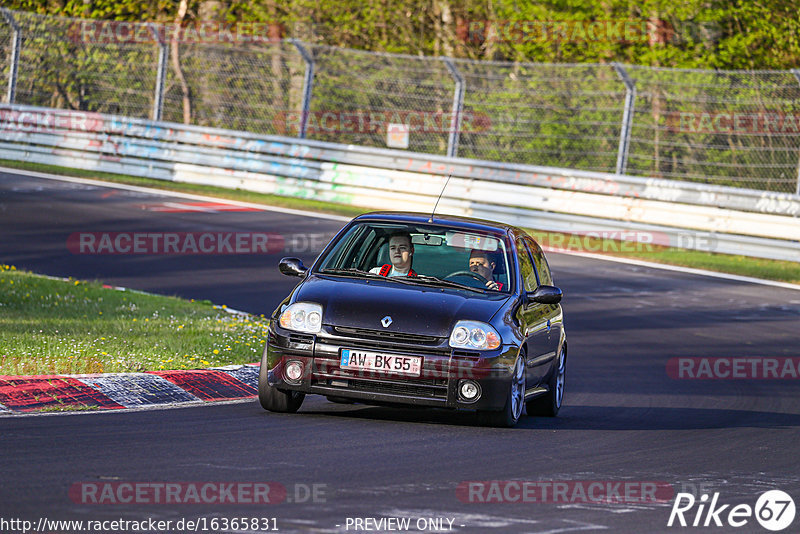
(774,510)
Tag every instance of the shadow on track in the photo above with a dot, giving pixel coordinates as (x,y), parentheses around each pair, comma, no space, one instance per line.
(582,418)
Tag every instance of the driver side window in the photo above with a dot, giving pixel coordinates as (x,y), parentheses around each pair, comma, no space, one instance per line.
(526,268)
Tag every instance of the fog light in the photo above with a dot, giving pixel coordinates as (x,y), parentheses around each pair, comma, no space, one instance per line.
(469,390)
(293,372)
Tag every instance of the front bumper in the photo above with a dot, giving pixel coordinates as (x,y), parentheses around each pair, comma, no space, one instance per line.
(443,368)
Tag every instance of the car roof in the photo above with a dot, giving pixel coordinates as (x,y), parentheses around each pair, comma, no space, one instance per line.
(466,223)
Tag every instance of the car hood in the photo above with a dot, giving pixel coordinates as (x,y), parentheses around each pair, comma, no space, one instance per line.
(417,309)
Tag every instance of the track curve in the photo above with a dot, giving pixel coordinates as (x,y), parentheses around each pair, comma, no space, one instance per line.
(624,418)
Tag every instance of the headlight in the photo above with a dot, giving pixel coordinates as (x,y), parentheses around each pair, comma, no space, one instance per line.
(302,317)
(474,335)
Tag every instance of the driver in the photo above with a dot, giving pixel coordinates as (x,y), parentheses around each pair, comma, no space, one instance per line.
(482,264)
(401,254)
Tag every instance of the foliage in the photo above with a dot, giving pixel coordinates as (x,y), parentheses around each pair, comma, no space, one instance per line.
(556,100)
(738,34)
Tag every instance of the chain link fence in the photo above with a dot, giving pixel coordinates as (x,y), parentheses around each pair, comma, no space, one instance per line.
(57,68)
(735,128)
(250,88)
(357,97)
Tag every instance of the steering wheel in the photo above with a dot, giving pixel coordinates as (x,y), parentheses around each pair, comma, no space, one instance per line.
(477,277)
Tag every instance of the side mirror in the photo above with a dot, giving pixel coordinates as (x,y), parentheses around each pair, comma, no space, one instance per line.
(292,267)
(546,295)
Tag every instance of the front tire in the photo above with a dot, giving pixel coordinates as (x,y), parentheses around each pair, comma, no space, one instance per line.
(549,404)
(511,413)
(274,399)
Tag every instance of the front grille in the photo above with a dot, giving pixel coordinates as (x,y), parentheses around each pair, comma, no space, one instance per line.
(327,368)
(419,388)
(416,390)
(382,335)
(301,338)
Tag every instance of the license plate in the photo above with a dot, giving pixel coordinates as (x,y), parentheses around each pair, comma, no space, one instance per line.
(382,363)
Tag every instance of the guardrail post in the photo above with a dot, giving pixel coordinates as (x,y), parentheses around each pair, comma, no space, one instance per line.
(458,107)
(308,81)
(627,118)
(796,73)
(161,74)
(16,43)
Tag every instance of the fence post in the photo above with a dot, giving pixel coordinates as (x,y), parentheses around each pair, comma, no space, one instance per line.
(16,42)
(627,118)
(796,73)
(458,106)
(308,81)
(161,74)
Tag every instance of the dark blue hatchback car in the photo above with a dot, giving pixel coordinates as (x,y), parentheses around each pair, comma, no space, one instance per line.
(409,309)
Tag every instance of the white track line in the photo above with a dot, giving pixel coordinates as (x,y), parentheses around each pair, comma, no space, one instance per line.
(680,269)
(262,207)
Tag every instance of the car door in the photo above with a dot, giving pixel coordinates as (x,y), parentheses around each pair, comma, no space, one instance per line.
(533,318)
(553,311)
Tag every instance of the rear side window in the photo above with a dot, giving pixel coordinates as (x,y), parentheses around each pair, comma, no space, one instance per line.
(526,267)
(540,261)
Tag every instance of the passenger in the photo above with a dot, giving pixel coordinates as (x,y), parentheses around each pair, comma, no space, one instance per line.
(481,263)
(401,254)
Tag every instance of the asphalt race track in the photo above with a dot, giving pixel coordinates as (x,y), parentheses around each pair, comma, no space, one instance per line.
(624,420)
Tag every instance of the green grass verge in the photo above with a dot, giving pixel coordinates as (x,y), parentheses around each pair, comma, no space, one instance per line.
(52,326)
(785,271)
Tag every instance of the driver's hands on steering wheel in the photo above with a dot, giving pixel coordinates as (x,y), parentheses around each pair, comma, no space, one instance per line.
(491,284)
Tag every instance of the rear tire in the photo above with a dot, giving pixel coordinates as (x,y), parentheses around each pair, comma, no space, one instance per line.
(511,413)
(548,405)
(274,399)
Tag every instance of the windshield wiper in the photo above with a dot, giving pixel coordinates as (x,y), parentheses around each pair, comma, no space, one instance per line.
(448,283)
(350,270)
(402,279)
(359,272)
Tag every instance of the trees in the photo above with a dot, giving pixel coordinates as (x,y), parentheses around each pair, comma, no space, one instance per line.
(695,33)
(554,100)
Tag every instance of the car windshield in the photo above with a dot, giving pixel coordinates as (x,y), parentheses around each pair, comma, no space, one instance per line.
(421,254)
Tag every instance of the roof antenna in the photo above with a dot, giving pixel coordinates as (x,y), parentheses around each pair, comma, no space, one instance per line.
(430,219)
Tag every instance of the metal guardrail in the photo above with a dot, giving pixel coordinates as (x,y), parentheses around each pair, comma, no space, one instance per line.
(687,215)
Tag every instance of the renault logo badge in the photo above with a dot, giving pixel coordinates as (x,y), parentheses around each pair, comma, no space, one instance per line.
(386,321)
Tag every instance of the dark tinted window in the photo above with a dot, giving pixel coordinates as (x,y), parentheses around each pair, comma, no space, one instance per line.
(526,267)
(540,261)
